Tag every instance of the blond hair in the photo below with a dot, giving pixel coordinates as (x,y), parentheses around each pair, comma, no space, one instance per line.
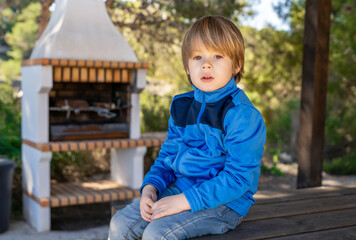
(217,33)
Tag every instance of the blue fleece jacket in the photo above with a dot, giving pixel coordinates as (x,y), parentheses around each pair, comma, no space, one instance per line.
(213,151)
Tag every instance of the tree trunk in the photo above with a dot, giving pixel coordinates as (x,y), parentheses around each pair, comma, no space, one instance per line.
(44,17)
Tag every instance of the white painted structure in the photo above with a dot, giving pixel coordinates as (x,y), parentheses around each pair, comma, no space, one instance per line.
(78,29)
(82,29)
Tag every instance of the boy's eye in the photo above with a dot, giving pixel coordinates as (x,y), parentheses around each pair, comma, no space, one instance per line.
(197,58)
(218,56)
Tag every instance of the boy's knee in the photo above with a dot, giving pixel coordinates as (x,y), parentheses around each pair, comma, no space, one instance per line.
(153,232)
(158,231)
(118,228)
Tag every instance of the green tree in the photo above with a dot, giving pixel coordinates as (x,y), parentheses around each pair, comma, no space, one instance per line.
(341,113)
(21,30)
(341,95)
(21,39)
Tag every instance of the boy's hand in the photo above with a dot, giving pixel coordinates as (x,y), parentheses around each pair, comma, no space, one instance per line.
(149,197)
(170,205)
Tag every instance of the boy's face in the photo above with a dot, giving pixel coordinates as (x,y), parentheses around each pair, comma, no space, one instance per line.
(209,70)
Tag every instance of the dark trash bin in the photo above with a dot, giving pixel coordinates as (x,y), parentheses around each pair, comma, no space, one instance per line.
(6,175)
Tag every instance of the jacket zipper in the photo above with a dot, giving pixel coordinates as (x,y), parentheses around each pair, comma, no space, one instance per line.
(201,109)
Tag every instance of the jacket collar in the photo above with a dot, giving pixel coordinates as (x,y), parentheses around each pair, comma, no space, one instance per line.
(216,95)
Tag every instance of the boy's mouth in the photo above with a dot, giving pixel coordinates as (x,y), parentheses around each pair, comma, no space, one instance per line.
(207,78)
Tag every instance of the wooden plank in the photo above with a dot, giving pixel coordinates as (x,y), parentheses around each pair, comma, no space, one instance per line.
(56,200)
(124,75)
(117,75)
(101,75)
(98,63)
(58,193)
(313,96)
(75,74)
(63,62)
(54,62)
(67,194)
(84,74)
(73,62)
(66,74)
(122,194)
(307,193)
(89,63)
(57,74)
(65,191)
(82,63)
(89,195)
(114,64)
(301,207)
(109,75)
(87,198)
(345,233)
(285,226)
(92,75)
(106,195)
(74,191)
(96,144)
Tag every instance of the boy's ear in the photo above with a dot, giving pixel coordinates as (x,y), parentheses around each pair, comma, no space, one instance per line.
(237,70)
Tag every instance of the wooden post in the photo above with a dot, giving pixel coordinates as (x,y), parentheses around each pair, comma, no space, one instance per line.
(313,97)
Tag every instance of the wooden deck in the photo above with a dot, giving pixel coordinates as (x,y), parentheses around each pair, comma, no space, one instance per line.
(79,193)
(326,213)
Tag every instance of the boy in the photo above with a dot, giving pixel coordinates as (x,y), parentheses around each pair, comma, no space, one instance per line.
(208,168)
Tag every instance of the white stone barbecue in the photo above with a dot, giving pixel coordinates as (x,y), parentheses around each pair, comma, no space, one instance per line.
(78,29)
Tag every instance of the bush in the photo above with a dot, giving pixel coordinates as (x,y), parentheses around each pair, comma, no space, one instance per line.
(76,166)
(342,165)
(271,170)
(155,112)
(281,134)
(10,124)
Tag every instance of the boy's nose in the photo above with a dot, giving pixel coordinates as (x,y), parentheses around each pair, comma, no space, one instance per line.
(206,65)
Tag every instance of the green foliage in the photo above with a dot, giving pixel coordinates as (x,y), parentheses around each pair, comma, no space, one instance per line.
(342,165)
(271,170)
(273,68)
(195,9)
(10,124)
(340,128)
(279,131)
(341,114)
(10,69)
(22,37)
(66,163)
(78,166)
(20,27)
(155,112)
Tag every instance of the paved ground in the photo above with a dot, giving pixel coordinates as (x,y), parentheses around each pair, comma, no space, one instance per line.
(20,230)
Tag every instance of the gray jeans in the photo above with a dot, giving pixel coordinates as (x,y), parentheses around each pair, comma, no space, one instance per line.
(128,224)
